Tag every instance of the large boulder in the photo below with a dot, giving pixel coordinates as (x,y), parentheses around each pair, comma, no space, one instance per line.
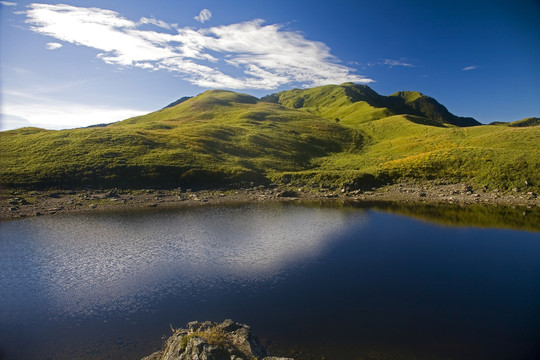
(213,341)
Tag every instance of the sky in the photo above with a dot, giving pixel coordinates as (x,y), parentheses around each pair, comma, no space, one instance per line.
(82,62)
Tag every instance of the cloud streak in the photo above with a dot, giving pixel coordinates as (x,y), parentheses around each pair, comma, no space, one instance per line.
(53,46)
(391,63)
(247,55)
(8,3)
(468,68)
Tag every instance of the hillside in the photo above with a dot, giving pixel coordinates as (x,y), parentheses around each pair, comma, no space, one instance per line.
(530,121)
(330,136)
(360,103)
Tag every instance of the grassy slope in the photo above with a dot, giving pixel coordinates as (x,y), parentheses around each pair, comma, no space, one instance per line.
(216,137)
(402,149)
(354,102)
(222,137)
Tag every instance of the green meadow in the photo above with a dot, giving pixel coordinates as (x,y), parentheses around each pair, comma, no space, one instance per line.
(332,136)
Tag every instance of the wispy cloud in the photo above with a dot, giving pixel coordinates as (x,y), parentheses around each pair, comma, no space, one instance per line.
(8,3)
(247,55)
(53,46)
(392,63)
(156,22)
(203,16)
(467,68)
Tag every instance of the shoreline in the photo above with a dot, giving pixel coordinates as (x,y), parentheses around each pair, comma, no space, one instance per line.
(19,204)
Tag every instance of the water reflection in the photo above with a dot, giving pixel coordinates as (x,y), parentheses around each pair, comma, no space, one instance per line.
(478,215)
(81,263)
(342,282)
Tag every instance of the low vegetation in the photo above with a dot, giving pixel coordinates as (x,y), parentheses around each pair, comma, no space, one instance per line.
(330,136)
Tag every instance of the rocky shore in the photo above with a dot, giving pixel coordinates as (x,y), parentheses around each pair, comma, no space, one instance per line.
(17,203)
(213,341)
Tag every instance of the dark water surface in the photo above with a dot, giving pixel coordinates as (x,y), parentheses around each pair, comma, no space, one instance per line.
(344,283)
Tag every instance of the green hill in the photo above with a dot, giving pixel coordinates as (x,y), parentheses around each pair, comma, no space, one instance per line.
(352,102)
(330,136)
(531,121)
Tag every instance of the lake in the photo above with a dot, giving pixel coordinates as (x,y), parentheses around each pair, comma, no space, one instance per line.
(339,281)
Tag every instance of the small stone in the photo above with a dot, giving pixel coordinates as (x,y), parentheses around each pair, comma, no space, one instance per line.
(288,194)
(92,206)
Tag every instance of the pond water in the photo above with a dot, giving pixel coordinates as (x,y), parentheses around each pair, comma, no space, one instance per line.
(343,282)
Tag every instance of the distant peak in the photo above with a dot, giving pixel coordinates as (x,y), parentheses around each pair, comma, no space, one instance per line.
(179,101)
(225,97)
(408,95)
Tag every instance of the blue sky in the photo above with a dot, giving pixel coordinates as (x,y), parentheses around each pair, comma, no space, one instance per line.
(77,63)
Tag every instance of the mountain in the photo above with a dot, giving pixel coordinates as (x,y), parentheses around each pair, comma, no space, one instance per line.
(530,121)
(360,102)
(330,136)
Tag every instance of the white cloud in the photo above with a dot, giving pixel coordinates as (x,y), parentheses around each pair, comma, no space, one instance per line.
(467,68)
(203,16)
(392,63)
(59,115)
(53,46)
(8,3)
(256,56)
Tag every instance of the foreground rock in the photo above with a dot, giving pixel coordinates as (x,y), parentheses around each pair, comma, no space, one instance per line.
(213,341)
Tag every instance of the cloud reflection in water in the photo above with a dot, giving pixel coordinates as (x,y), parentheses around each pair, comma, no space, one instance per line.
(88,263)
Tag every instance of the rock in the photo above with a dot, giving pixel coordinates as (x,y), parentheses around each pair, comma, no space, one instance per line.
(466,188)
(288,194)
(112,194)
(213,341)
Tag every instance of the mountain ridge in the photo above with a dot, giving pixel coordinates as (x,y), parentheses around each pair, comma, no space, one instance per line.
(329,136)
(399,103)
